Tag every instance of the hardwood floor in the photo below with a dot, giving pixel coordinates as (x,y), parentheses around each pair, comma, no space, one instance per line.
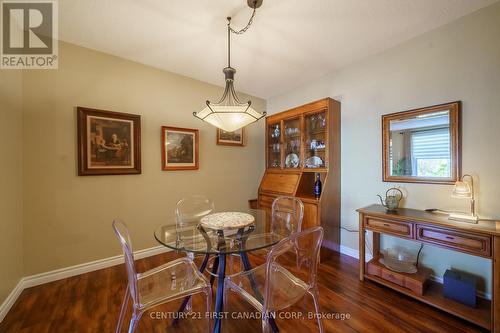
(91,303)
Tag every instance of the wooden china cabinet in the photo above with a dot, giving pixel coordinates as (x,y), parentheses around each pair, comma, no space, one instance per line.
(301,143)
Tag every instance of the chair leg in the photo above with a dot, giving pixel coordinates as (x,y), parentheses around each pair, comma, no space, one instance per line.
(266,326)
(136,317)
(123,310)
(231,265)
(315,296)
(247,266)
(188,298)
(189,305)
(208,297)
(225,296)
(215,269)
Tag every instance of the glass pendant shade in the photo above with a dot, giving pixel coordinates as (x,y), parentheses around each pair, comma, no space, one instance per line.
(229,117)
(229,114)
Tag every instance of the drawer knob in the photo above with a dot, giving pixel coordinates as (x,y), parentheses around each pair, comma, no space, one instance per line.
(386,225)
(450,238)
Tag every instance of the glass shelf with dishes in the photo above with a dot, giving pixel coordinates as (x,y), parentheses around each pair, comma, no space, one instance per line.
(315,140)
(274,145)
(292,143)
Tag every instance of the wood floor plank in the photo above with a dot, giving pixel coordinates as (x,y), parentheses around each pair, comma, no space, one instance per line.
(91,303)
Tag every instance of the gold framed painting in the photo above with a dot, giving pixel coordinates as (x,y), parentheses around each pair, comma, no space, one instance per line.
(236,138)
(180,148)
(109,143)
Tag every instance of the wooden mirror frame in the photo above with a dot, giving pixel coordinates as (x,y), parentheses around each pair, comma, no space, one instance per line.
(455,109)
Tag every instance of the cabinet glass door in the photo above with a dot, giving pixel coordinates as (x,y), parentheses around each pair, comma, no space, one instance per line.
(274,146)
(292,143)
(315,140)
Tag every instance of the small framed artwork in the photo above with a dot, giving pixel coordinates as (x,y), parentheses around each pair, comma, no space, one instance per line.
(109,143)
(236,138)
(179,148)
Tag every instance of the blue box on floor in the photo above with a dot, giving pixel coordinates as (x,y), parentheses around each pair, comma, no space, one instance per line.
(460,287)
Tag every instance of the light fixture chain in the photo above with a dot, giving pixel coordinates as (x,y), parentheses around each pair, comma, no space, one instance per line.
(242,31)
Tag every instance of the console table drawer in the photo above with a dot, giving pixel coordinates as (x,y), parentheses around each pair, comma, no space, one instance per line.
(469,243)
(402,229)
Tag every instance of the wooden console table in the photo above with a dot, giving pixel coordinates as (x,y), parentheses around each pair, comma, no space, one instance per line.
(482,239)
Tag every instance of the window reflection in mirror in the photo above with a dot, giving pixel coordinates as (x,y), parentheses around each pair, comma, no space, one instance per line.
(420,146)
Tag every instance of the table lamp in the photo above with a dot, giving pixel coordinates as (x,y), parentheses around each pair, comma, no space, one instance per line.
(465,190)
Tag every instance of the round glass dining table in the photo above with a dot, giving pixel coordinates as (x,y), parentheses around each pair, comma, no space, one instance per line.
(193,238)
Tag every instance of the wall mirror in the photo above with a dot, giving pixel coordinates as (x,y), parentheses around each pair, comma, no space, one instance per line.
(422,145)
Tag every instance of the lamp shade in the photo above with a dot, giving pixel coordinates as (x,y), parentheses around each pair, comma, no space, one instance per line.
(462,190)
(229,117)
(229,113)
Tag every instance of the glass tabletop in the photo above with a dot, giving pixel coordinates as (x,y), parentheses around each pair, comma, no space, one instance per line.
(192,237)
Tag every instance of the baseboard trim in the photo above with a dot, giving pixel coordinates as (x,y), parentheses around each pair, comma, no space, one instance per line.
(345,250)
(59,274)
(11,299)
(354,253)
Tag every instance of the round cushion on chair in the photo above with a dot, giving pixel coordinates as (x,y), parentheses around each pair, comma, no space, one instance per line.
(227,220)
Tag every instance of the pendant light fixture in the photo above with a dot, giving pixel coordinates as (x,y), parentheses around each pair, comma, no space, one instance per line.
(229,113)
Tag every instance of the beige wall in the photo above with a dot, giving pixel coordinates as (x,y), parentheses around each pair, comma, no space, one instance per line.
(11,222)
(459,61)
(68,218)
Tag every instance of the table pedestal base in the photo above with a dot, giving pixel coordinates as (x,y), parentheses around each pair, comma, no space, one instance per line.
(219,268)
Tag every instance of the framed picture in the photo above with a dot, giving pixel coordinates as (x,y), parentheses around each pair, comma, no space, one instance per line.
(109,143)
(179,148)
(236,138)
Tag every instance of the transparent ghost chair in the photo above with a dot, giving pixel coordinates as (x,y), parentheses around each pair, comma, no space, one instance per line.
(188,213)
(287,214)
(174,280)
(271,287)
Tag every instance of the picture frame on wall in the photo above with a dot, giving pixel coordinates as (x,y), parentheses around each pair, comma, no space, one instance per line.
(109,143)
(180,148)
(236,138)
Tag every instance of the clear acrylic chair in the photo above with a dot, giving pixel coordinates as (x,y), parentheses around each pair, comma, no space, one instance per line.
(287,215)
(168,282)
(271,287)
(191,209)
(188,212)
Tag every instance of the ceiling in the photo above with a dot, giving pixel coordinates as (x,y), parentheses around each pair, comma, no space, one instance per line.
(290,43)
